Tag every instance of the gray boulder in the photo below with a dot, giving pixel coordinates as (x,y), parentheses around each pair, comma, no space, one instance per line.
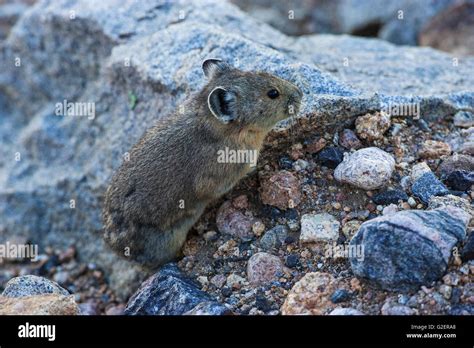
(405,250)
(135,62)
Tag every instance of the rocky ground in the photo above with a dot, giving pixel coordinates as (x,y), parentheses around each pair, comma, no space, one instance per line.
(263,248)
(394,190)
(270,210)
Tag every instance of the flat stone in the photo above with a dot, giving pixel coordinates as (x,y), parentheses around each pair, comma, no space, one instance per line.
(432,149)
(316,145)
(319,228)
(234,281)
(388,309)
(349,140)
(419,170)
(340,295)
(455,162)
(218,280)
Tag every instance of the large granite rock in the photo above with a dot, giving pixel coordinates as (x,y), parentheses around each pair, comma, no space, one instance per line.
(405,250)
(135,62)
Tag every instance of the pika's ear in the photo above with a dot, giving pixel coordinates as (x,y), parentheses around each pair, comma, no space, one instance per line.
(221,103)
(212,67)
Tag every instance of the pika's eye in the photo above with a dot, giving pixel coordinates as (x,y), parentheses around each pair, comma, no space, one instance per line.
(273,94)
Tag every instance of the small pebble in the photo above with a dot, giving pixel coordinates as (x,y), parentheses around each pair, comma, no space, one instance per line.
(258,228)
(412,202)
(330,157)
(340,295)
(292,260)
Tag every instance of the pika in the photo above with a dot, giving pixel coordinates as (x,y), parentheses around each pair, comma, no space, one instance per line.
(173,171)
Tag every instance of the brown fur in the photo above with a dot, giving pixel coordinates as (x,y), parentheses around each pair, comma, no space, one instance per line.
(176,160)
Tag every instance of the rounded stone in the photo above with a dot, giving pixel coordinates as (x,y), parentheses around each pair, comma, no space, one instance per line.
(369,169)
(263,268)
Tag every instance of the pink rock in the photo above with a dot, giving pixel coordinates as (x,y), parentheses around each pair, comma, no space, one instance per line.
(233,222)
(281,190)
(263,268)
